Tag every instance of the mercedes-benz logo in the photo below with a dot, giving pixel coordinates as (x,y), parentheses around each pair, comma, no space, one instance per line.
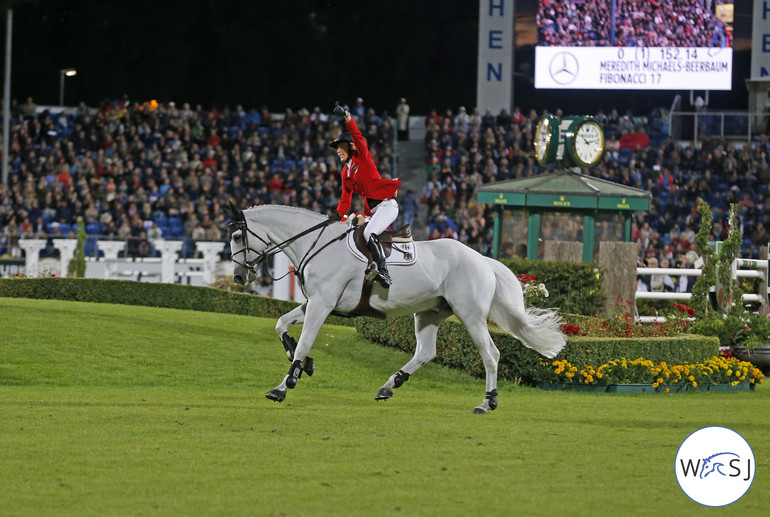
(563,68)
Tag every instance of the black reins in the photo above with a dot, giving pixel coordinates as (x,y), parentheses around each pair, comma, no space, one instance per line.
(273,249)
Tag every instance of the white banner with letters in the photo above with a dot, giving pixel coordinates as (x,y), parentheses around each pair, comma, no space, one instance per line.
(760,40)
(634,68)
(494,81)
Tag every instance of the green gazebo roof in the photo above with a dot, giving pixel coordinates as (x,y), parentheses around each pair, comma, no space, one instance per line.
(564,190)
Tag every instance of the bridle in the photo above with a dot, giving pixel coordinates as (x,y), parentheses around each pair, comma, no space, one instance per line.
(273,249)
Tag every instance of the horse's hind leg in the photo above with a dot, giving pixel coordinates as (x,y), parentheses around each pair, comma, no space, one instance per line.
(490,356)
(425,329)
(293,317)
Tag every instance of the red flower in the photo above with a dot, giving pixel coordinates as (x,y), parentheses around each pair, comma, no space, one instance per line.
(570,330)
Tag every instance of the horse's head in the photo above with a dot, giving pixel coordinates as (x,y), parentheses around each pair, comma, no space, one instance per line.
(245,254)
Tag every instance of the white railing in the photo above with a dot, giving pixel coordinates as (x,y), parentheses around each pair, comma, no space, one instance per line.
(757,269)
(694,125)
(168,268)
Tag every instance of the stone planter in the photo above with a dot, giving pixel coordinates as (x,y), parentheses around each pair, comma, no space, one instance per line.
(758,355)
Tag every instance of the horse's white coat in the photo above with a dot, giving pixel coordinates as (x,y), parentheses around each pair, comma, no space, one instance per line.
(448,278)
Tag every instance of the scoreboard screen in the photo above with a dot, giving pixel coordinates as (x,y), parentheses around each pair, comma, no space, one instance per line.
(634,44)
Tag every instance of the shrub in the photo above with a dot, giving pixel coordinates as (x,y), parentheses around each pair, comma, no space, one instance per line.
(455,348)
(77,266)
(572,287)
(172,296)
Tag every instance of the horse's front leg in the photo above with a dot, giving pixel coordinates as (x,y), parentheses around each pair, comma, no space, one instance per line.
(293,317)
(316,313)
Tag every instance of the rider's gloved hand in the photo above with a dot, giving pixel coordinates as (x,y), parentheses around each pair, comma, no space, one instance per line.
(339,110)
(335,216)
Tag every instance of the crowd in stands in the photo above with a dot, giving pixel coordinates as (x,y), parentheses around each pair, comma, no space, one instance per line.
(648,23)
(139,171)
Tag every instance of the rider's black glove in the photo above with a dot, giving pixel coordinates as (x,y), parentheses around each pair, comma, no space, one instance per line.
(339,110)
(335,216)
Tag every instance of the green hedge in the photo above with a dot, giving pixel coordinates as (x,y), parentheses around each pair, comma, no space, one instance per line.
(172,296)
(572,287)
(455,349)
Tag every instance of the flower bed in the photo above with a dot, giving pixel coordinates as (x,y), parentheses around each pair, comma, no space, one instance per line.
(730,373)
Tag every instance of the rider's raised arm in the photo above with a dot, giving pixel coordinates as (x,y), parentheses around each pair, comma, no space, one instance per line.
(358,138)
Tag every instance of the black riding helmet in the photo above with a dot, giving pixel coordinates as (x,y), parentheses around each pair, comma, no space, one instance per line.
(342,138)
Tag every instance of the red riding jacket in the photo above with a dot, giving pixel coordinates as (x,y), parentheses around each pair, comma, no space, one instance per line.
(361,176)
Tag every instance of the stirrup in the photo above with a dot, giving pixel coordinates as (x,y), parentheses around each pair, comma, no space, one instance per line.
(383,277)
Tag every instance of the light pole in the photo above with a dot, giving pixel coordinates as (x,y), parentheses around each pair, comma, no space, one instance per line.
(64,72)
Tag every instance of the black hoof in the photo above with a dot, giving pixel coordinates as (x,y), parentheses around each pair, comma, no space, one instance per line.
(383,394)
(276,395)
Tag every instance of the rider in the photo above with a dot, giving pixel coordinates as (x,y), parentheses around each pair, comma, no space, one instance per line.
(360,175)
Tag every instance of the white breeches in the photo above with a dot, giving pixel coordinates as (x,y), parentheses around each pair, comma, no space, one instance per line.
(383,216)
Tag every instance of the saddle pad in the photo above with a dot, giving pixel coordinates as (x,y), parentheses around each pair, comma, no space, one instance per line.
(403,254)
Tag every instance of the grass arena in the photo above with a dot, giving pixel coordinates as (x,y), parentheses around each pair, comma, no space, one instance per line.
(123,410)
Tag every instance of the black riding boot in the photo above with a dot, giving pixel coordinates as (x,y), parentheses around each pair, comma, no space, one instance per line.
(374,246)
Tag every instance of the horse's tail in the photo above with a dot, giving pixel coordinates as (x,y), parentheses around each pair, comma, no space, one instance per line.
(538,329)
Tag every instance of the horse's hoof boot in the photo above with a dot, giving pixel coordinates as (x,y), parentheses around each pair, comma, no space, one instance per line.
(276,395)
(308,366)
(383,394)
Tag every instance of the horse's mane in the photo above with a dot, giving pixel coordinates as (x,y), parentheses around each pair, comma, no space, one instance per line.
(293,209)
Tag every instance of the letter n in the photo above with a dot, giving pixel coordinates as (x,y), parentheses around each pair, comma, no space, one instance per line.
(497,72)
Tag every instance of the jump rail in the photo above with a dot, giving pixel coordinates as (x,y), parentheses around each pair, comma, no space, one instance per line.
(757,269)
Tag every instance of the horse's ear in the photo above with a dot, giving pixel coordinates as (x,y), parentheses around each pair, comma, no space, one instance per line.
(237,213)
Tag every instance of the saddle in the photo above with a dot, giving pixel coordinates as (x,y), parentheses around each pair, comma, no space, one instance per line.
(388,238)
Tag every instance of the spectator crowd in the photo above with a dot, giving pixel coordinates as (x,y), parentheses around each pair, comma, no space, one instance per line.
(139,171)
(648,23)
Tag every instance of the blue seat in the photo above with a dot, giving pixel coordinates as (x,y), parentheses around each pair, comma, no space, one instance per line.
(625,156)
(90,249)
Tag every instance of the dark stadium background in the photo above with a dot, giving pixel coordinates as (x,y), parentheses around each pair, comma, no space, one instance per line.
(289,54)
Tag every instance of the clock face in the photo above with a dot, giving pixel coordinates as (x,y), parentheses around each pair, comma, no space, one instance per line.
(542,138)
(588,143)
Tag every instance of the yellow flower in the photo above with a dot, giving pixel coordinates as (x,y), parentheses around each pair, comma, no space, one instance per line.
(690,378)
(666,390)
(729,372)
(694,384)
